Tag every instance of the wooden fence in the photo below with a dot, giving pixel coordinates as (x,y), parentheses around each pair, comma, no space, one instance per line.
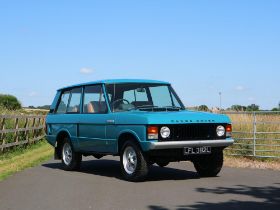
(20,129)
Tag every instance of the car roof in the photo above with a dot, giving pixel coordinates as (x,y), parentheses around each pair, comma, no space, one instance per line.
(116,81)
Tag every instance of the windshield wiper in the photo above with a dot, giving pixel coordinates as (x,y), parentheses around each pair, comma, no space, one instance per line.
(144,107)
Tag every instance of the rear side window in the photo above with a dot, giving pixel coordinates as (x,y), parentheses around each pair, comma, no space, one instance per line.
(63,103)
(75,100)
(94,100)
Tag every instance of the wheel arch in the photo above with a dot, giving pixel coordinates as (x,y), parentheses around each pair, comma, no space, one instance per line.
(58,143)
(128,135)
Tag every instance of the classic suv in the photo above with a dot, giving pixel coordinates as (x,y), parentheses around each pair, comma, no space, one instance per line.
(142,121)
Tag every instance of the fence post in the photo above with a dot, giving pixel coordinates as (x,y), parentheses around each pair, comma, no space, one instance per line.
(16,128)
(254,133)
(2,135)
(33,130)
(26,132)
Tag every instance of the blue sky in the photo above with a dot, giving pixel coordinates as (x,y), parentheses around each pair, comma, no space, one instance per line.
(201,47)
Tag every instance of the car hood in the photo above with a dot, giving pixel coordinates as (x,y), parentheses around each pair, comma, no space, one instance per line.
(171,117)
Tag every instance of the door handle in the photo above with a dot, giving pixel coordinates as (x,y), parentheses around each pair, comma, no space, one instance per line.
(110,121)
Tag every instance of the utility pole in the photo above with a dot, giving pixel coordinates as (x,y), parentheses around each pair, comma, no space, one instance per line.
(220,94)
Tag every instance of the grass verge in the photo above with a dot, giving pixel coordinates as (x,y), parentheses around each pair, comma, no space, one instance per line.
(24,157)
(250,162)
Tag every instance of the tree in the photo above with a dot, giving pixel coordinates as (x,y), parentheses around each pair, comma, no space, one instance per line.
(47,107)
(238,108)
(9,102)
(275,109)
(203,108)
(253,107)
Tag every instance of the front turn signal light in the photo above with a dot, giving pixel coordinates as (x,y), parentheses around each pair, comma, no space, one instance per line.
(152,132)
(228,130)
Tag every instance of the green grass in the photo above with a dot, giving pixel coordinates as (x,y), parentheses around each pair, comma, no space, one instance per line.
(21,158)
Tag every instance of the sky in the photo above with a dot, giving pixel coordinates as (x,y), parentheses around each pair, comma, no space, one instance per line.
(201,47)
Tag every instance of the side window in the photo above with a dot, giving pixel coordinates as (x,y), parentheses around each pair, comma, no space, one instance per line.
(75,99)
(63,102)
(94,100)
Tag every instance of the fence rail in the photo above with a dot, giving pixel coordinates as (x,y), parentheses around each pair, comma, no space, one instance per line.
(20,129)
(256,134)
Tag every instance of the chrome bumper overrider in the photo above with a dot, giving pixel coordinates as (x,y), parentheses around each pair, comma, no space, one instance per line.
(196,143)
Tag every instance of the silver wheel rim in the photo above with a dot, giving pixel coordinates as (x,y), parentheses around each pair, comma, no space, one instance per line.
(67,153)
(129,160)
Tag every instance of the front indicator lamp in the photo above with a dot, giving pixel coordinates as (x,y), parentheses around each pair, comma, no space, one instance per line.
(152,132)
(228,130)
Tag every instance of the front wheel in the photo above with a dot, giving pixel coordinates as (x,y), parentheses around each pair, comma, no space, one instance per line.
(71,160)
(209,165)
(134,166)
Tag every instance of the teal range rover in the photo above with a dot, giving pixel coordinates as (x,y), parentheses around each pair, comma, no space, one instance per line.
(142,121)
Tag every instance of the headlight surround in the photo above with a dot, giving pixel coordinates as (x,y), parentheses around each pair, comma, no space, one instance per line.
(220,130)
(165,132)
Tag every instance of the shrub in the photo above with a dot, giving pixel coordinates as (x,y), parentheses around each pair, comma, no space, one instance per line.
(253,107)
(203,108)
(9,102)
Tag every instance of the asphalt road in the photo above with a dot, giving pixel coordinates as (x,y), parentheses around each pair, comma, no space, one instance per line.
(99,186)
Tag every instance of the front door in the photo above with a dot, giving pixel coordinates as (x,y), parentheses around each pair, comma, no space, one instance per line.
(93,120)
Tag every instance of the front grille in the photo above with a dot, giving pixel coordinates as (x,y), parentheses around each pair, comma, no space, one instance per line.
(203,131)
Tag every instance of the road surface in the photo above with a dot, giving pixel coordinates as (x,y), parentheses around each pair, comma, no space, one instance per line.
(99,186)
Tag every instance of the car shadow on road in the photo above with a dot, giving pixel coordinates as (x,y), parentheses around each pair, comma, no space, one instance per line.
(259,198)
(111,168)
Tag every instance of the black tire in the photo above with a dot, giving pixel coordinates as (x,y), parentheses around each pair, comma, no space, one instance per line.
(140,168)
(209,165)
(72,163)
(162,163)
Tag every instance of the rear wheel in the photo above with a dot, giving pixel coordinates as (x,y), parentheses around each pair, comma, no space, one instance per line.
(209,165)
(134,166)
(71,160)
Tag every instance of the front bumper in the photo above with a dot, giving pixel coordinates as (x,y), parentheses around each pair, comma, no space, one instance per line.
(196,143)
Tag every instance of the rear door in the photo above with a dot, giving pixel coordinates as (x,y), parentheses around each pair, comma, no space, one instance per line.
(66,115)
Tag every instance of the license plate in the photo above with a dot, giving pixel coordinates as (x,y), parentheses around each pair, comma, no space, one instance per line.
(197,150)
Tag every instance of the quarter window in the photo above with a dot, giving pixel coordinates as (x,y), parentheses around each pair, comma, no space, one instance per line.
(94,100)
(63,103)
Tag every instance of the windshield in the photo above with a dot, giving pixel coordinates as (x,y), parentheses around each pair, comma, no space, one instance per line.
(143,96)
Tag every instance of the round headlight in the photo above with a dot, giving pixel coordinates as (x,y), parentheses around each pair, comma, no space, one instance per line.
(165,132)
(220,130)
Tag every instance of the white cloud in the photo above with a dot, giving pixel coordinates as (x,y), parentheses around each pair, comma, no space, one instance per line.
(239,88)
(86,70)
(32,94)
